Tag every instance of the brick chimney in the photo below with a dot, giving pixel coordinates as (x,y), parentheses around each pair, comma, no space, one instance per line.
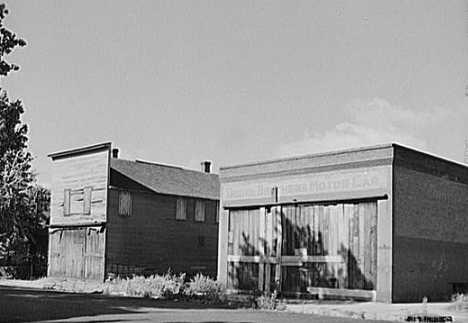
(206,166)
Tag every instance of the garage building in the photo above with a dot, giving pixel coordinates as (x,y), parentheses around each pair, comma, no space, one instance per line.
(387,223)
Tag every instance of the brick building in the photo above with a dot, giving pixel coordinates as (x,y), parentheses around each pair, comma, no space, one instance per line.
(386,222)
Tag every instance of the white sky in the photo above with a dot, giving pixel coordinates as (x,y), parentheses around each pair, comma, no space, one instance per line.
(235,81)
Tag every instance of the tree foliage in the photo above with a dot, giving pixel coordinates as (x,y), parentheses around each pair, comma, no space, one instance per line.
(8,41)
(23,204)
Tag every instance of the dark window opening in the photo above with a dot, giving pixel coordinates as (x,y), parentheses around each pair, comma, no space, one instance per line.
(201,241)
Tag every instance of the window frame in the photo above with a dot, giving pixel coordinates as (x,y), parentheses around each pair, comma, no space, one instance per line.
(125,210)
(181,209)
(200,211)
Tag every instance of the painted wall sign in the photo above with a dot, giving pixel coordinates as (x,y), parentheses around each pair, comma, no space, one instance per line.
(289,187)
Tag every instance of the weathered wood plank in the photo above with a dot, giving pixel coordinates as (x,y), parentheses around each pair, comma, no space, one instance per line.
(347,208)
(299,260)
(286,260)
(373,245)
(261,248)
(251,259)
(367,246)
(362,245)
(279,244)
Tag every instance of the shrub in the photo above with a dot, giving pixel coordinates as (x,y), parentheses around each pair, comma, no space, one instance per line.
(267,301)
(205,288)
(168,286)
(459,302)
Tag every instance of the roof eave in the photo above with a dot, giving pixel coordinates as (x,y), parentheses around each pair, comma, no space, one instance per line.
(81,150)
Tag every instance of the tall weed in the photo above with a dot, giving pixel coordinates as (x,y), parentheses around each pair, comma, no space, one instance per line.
(203,287)
(459,302)
(166,286)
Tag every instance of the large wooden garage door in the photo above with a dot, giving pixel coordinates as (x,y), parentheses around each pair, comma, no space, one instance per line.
(336,245)
(300,246)
(77,253)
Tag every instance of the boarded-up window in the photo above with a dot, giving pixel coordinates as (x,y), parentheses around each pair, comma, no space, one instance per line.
(181,212)
(87,200)
(125,203)
(199,211)
(66,202)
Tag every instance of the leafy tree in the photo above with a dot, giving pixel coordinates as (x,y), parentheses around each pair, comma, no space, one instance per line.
(22,203)
(8,42)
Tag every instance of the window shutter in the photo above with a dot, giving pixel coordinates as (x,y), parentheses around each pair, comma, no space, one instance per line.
(125,203)
(66,202)
(199,211)
(87,200)
(181,211)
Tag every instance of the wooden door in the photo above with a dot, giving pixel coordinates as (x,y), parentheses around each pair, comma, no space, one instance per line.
(94,254)
(314,251)
(362,245)
(68,249)
(77,253)
(331,246)
(301,246)
(243,244)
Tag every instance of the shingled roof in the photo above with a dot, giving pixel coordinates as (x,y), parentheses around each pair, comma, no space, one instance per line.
(170,180)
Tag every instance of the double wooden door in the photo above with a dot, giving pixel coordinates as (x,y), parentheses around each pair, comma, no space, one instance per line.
(298,246)
(77,253)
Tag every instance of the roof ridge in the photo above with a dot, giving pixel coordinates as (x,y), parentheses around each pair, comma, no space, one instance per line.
(145,162)
(139,161)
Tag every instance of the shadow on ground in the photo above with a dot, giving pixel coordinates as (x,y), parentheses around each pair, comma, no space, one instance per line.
(29,305)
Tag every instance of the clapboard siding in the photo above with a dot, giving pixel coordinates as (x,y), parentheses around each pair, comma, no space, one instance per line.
(152,240)
(75,173)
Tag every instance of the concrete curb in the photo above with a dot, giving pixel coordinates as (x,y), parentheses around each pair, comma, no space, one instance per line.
(377,311)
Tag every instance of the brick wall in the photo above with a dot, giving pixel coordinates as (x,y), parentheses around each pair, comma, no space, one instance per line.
(430,214)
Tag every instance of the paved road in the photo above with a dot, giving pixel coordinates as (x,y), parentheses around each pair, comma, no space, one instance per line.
(28,305)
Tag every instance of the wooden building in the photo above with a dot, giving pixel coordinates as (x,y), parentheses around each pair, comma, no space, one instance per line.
(111,216)
(386,223)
